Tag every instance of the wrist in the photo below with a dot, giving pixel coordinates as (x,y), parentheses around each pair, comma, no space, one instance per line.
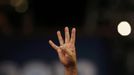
(71,70)
(71,67)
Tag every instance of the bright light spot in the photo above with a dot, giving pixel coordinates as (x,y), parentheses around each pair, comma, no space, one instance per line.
(124,28)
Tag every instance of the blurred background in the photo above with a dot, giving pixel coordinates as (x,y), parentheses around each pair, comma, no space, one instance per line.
(27,25)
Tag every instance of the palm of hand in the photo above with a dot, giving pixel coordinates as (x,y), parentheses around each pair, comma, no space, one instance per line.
(66,50)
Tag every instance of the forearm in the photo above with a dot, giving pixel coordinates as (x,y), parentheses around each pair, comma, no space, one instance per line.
(71,70)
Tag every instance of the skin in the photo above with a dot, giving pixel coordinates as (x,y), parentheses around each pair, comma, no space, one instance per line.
(66,51)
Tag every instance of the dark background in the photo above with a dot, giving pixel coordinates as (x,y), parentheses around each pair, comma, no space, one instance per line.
(24,35)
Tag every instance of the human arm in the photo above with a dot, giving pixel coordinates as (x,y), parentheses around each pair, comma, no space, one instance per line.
(67,51)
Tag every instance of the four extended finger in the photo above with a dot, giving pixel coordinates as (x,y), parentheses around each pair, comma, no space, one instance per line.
(73,36)
(60,38)
(67,35)
(53,45)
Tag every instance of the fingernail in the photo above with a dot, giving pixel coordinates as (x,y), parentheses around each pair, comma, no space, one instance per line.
(66,27)
(74,29)
(58,31)
(49,40)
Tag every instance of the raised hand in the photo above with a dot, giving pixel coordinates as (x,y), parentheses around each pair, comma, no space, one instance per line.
(66,50)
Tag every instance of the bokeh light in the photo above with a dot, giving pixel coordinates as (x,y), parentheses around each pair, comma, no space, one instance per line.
(124,28)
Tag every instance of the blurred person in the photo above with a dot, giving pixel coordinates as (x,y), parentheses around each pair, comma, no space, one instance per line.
(130,62)
(5,25)
(66,51)
(9,21)
(27,23)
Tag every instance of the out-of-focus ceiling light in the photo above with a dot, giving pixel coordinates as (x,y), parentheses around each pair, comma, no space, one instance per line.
(124,28)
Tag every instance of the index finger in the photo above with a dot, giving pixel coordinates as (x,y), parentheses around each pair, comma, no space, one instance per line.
(53,45)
